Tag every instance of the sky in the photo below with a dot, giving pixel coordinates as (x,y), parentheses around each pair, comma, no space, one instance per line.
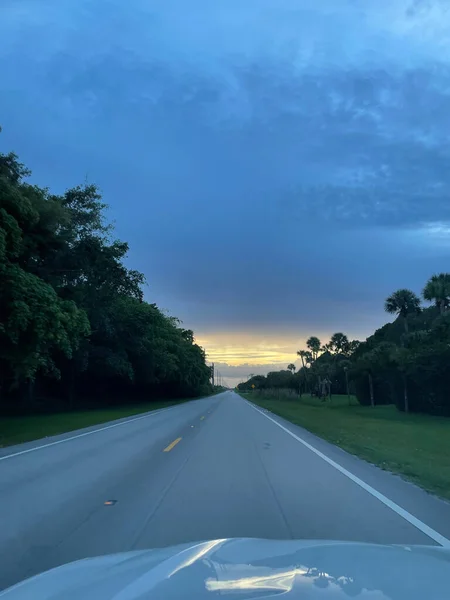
(278,167)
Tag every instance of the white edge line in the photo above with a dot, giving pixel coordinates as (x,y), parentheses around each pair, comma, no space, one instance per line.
(80,435)
(431,533)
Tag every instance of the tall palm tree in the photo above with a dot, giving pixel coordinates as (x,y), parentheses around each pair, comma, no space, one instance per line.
(309,358)
(437,289)
(346,365)
(304,355)
(292,368)
(402,302)
(314,346)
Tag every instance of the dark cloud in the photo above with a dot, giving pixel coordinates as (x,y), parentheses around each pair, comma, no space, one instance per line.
(274,166)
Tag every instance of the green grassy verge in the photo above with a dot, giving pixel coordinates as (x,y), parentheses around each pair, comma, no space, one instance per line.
(16,430)
(415,446)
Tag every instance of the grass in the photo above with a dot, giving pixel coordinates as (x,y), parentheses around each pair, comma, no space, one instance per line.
(414,446)
(16,430)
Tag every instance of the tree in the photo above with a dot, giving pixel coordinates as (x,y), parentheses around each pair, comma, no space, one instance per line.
(437,289)
(304,355)
(324,371)
(34,321)
(314,346)
(280,379)
(353,346)
(346,365)
(292,368)
(339,344)
(72,314)
(366,364)
(309,359)
(403,303)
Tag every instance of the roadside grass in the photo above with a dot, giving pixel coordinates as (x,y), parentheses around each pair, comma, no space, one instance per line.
(19,429)
(414,446)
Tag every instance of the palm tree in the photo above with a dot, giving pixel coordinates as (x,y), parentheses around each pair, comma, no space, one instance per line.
(437,289)
(346,365)
(309,358)
(365,363)
(304,355)
(403,303)
(339,343)
(314,346)
(292,368)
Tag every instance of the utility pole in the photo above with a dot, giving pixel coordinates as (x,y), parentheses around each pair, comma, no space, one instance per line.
(212,374)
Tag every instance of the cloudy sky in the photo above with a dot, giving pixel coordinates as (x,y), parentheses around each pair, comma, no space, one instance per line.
(277,166)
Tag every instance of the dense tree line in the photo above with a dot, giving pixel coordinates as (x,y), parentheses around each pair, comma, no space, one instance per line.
(74,327)
(406,362)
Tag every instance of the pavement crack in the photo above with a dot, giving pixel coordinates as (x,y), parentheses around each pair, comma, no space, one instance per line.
(272,489)
(158,504)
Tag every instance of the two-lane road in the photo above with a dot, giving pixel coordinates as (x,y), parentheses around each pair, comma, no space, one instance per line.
(210,468)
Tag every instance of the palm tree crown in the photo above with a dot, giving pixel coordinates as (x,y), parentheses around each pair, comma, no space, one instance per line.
(314,345)
(402,302)
(437,289)
(339,343)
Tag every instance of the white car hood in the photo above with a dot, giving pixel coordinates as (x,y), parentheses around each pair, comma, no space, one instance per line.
(249,568)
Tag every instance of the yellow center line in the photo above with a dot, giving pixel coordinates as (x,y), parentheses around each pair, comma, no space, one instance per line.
(172,445)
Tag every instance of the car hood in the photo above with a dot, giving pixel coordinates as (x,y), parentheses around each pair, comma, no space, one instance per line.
(249,568)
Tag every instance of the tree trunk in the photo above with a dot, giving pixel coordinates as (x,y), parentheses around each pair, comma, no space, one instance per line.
(405,393)
(441,306)
(348,389)
(304,375)
(372,401)
(405,324)
(30,391)
(72,385)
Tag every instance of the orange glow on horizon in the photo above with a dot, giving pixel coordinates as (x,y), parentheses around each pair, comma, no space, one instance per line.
(241,348)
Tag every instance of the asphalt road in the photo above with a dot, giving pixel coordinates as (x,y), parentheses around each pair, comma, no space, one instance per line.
(210,468)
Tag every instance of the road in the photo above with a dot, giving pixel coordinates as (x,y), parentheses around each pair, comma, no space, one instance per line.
(211,468)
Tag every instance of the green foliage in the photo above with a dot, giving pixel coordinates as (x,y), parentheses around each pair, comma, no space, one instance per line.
(339,344)
(437,290)
(34,321)
(409,366)
(72,315)
(404,303)
(314,345)
(406,362)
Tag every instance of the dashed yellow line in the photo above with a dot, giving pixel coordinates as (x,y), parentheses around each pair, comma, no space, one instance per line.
(172,445)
